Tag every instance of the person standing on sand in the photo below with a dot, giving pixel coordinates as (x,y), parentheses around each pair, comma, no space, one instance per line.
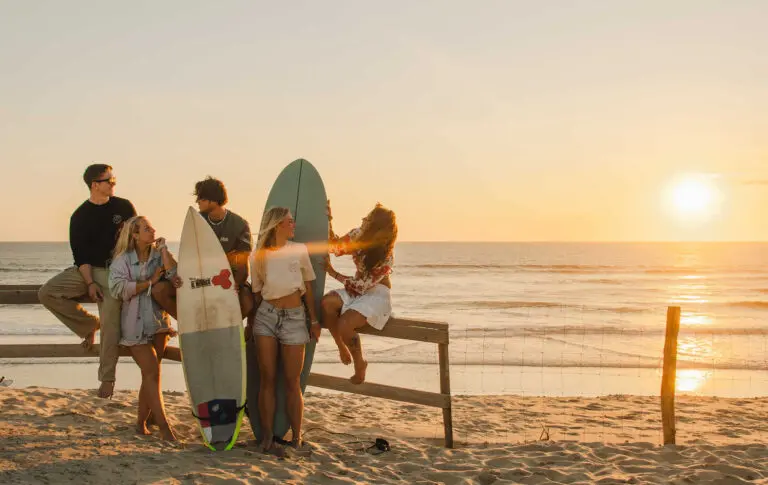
(93,230)
(139,262)
(282,275)
(233,233)
(365,298)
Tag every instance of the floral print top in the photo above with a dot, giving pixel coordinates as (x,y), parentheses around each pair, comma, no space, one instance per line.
(363,280)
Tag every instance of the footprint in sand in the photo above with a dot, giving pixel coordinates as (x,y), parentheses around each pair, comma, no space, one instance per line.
(594,406)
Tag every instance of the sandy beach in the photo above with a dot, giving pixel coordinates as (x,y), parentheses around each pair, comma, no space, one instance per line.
(62,436)
(549,212)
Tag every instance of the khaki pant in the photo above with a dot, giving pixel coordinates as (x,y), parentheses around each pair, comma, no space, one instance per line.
(58,295)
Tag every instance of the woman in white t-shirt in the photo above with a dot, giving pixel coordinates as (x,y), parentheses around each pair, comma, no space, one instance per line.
(281,274)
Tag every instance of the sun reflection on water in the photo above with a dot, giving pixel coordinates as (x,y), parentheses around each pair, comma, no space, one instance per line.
(695,348)
(689,292)
(690,380)
(691,318)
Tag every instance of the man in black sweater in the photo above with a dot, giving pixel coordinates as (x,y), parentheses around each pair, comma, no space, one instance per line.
(93,230)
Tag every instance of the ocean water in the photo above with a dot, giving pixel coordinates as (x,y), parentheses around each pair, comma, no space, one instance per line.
(530,308)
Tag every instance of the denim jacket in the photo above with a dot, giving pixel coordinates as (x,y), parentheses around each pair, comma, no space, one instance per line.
(137,309)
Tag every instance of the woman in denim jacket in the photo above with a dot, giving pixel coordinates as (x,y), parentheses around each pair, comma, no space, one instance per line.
(140,261)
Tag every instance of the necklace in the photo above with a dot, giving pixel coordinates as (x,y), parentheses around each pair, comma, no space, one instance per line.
(208,216)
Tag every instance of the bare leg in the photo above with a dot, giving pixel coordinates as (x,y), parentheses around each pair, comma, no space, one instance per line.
(349,322)
(144,411)
(266,348)
(293,363)
(160,348)
(173,353)
(161,345)
(146,356)
(165,295)
(332,304)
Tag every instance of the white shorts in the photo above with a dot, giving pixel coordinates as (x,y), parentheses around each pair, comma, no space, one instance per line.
(375,305)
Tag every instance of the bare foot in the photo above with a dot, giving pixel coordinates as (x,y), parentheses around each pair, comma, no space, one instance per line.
(87,342)
(142,429)
(344,355)
(271,448)
(359,376)
(301,445)
(106,389)
(265,445)
(276,450)
(299,448)
(167,432)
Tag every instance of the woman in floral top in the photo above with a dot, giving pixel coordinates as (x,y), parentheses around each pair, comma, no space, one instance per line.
(365,299)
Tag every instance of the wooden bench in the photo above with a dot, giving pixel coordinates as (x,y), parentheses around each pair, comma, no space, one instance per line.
(400,328)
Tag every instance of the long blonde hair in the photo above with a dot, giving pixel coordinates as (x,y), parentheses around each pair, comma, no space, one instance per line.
(125,241)
(267,238)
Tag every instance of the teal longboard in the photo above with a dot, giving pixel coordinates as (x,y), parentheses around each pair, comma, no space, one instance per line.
(300,189)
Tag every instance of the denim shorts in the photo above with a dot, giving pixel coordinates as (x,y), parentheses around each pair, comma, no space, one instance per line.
(287,325)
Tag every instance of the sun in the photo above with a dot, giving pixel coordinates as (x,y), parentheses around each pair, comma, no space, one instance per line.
(694,196)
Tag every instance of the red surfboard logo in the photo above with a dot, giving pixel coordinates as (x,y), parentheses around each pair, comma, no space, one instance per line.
(221,279)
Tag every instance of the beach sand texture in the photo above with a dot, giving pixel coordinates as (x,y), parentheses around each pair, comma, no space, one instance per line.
(69,436)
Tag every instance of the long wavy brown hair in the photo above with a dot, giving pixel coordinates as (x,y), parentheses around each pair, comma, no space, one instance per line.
(379,232)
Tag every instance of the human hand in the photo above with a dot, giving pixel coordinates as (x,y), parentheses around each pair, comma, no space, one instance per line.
(95,293)
(176,281)
(248,331)
(315,330)
(160,244)
(157,275)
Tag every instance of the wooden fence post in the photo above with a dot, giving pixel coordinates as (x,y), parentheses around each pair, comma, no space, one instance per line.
(445,389)
(669,375)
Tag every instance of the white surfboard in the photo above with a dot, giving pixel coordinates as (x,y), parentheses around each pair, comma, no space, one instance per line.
(210,334)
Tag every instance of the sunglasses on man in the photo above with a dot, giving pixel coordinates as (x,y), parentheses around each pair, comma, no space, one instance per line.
(110,180)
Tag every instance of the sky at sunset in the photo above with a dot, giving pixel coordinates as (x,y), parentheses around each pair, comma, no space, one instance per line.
(474,121)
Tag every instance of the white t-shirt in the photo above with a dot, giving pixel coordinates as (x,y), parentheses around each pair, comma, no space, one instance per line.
(287,268)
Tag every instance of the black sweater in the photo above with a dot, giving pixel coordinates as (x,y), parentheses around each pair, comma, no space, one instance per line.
(93,230)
